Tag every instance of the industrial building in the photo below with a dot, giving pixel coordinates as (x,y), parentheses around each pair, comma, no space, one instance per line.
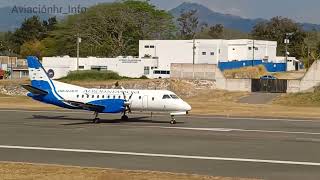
(156,56)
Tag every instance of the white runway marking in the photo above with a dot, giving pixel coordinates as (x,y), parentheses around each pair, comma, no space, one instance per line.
(164,115)
(162,155)
(230,130)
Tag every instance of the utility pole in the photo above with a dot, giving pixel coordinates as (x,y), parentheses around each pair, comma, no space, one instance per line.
(253,48)
(193,51)
(193,55)
(78,49)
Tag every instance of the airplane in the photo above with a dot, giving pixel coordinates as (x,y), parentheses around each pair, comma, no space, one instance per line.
(111,101)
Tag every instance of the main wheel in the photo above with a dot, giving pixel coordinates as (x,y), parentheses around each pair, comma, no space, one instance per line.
(96,121)
(173,121)
(124,118)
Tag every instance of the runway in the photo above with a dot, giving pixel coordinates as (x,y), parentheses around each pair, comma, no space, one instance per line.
(237,147)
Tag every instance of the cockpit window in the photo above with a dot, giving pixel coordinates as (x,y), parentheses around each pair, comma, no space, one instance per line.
(174,96)
(166,96)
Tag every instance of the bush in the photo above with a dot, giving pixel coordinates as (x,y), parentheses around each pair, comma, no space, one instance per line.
(143,77)
(92,75)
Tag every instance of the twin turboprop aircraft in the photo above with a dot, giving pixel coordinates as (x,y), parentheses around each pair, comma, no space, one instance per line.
(69,96)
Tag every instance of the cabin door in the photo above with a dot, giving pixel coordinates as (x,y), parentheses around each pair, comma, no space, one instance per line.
(145,103)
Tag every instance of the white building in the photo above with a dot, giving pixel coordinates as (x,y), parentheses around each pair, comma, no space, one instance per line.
(125,66)
(156,56)
(206,51)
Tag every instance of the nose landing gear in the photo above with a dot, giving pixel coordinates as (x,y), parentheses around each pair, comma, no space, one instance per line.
(173,120)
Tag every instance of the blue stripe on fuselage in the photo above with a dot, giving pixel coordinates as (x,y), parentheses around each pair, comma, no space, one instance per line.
(50,98)
(111,105)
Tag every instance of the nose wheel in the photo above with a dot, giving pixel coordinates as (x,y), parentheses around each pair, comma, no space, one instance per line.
(173,120)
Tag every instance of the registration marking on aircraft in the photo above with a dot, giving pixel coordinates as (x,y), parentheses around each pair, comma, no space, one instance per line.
(161,155)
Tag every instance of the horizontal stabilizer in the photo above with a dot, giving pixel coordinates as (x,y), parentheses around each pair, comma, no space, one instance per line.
(34,90)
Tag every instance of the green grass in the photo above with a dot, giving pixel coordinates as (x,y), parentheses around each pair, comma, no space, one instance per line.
(93,75)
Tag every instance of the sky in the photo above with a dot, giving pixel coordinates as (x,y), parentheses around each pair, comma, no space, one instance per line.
(299,10)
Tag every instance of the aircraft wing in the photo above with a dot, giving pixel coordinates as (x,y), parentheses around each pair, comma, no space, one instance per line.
(86,106)
(34,90)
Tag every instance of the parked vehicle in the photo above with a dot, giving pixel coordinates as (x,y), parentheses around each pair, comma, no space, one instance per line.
(2,74)
(266,77)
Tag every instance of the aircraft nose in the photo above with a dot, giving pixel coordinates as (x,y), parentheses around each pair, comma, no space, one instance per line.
(187,107)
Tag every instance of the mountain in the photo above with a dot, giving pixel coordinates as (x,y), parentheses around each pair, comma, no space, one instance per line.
(210,17)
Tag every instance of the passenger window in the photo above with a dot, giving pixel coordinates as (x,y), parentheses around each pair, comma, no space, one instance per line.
(166,96)
(174,96)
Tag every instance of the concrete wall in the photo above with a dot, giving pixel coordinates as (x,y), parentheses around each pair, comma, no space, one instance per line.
(209,72)
(196,71)
(309,80)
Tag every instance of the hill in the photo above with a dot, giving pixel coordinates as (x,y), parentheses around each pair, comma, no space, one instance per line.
(210,17)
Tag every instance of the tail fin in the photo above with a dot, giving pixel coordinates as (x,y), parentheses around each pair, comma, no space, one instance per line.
(38,76)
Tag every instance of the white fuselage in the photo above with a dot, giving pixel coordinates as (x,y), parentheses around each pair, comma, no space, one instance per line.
(139,100)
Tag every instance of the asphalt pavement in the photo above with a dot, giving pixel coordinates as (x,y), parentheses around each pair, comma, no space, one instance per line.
(237,147)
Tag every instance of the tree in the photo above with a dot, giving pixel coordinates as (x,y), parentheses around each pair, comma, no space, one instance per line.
(216,31)
(110,29)
(188,22)
(34,48)
(276,30)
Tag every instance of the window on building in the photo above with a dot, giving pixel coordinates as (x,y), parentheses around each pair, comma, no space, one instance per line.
(250,48)
(81,67)
(233,49)
(114,97)
(92,96)
(108,96)
(219,51)
(82,96)
(256,48)
(212,53)
(78,96)
(139,97)
(88,96)
(163,72)
(168,72)
(152,98)
(146,46)
(151,46)
(204,53)
(146,70)
(156,72)
(119,97)
(102,96)
(98,96)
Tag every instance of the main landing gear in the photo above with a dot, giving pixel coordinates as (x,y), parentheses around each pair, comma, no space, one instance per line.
(124,117)
(173,120)
(96,120)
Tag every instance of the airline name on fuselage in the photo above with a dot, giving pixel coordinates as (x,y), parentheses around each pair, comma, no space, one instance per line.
(100,91)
